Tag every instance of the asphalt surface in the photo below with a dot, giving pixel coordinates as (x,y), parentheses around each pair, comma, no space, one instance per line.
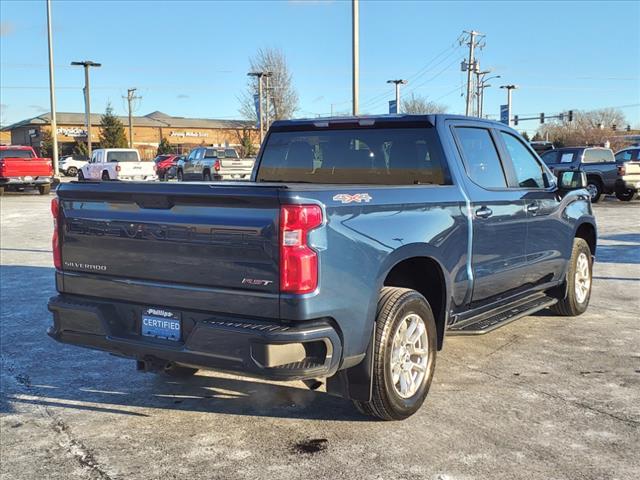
(544,397)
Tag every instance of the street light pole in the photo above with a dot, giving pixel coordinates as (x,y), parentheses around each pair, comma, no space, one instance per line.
(482,84)
(355,44)
(52,95)
(87,97)
(397,84)
(260,112)
(509,89)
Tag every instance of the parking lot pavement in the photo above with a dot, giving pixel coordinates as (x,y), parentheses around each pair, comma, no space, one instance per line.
(544,397)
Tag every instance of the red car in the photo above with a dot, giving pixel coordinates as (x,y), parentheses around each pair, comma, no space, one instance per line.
(21,168)
(166,166)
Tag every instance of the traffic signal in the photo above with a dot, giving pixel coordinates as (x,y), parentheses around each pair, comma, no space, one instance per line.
(571,115)
(628,128)
(542,118)
(614,127)
(515,119)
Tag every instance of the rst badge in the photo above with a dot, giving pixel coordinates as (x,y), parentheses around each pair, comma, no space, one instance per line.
(356,197)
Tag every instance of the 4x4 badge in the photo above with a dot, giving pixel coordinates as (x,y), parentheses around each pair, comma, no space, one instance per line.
(356,197)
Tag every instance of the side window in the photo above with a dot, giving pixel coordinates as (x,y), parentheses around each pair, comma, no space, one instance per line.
(528,170)
(598,155)
(94,157)
(481,157)
(624,156)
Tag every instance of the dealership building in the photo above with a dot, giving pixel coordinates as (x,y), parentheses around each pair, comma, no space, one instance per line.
(148,130)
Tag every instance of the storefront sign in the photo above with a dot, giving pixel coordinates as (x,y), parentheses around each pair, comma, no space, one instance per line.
(188,134)
(72,132)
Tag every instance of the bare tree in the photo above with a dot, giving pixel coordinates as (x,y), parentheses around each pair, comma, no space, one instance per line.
(283,98)
(416,104)
(595,127)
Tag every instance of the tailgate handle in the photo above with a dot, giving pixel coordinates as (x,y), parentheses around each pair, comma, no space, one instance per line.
(153,201)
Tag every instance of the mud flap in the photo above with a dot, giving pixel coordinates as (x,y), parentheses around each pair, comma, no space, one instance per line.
(355,383)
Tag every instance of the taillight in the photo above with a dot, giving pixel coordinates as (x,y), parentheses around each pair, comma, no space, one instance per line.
(118,168)
(622,171)
(216,165)
(55,241)
(298,262)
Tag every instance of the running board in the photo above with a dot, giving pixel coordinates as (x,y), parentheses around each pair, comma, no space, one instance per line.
(489,322)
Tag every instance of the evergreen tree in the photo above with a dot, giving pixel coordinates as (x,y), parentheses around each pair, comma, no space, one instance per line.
(525,135)
(164,147)
(80,149)
(112,134)
(246,144)
(46,147)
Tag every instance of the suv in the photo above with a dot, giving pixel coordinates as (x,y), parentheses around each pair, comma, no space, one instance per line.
(70,165)
(628,182)
(598,163)
(214,163)
(360,244)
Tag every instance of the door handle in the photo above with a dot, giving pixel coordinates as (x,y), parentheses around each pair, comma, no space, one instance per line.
(533,207)
(484,212)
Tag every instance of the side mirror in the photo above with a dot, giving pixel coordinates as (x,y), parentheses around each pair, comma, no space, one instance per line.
(571,180)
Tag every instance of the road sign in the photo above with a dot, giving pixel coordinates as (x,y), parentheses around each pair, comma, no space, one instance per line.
(504,114)
(393,106)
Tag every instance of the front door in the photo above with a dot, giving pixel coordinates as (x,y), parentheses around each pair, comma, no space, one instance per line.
(498,254)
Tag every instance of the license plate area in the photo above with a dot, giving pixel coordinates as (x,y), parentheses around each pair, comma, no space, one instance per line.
(161,323)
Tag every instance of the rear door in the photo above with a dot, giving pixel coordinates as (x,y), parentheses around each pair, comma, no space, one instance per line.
(546,246)
(499,218)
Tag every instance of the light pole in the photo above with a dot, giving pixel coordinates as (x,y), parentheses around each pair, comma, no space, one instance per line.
(87,97)
(260,112)
(52,95)
(355,45)
(397,84)
(509,89)
(482,84)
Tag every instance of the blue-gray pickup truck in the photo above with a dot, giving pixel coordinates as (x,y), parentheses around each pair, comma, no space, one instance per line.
(357,246)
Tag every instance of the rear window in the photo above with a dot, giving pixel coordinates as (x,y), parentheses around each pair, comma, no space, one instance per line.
(16,153)
(598,155)
(382,156)
(123,157)
(212,153)
(161,158)
(230,153)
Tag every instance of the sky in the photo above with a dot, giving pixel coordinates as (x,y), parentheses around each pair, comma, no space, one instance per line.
(190,58)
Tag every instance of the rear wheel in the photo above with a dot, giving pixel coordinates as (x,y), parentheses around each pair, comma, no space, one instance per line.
(404,355)
(578,281)
(80,175)
(105,176)
(594,187)
(72,171)
(626,196)
(44,189)
(206,176)
(180,176)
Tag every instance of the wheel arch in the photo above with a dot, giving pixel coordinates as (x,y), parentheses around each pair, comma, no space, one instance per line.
(587,230)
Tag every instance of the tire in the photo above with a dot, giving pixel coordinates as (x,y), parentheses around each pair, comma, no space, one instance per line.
(594,187)
(178,371)
(397,309)
(80,175)
(626,196)
(71,172)
(105,176)
(206,176)
(44,189)
(576,303)
(180,176)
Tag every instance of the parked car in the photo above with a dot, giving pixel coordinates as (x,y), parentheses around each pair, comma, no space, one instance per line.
(360,243)
(117,164)
(598,163)
(69,165)
(628,181)
(21,168)
(214,163)
(166,166)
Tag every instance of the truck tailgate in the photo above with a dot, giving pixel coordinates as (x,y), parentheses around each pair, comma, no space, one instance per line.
(230,166)
(632,173)
(218,240)
(20,167)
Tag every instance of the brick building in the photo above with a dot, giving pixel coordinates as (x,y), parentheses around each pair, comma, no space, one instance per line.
(148,130)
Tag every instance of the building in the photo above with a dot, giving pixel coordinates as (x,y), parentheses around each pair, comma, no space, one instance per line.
(148,130)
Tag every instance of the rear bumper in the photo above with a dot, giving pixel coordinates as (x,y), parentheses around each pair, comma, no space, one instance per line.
(246,346)
(24,181)
(623,184)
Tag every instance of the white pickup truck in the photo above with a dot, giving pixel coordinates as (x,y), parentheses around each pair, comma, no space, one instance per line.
(117,164)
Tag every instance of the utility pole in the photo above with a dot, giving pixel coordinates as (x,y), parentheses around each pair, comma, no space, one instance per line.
(130,98)
(355,44)
(470,67)
(397,84)
(509,89)
(52,95)
(87,97)
(267,76)
(260,112)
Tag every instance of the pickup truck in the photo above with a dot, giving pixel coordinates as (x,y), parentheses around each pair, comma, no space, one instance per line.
(21,168)
(628,182)
(213,163)
(598,163)
(358,245)
(117,164)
